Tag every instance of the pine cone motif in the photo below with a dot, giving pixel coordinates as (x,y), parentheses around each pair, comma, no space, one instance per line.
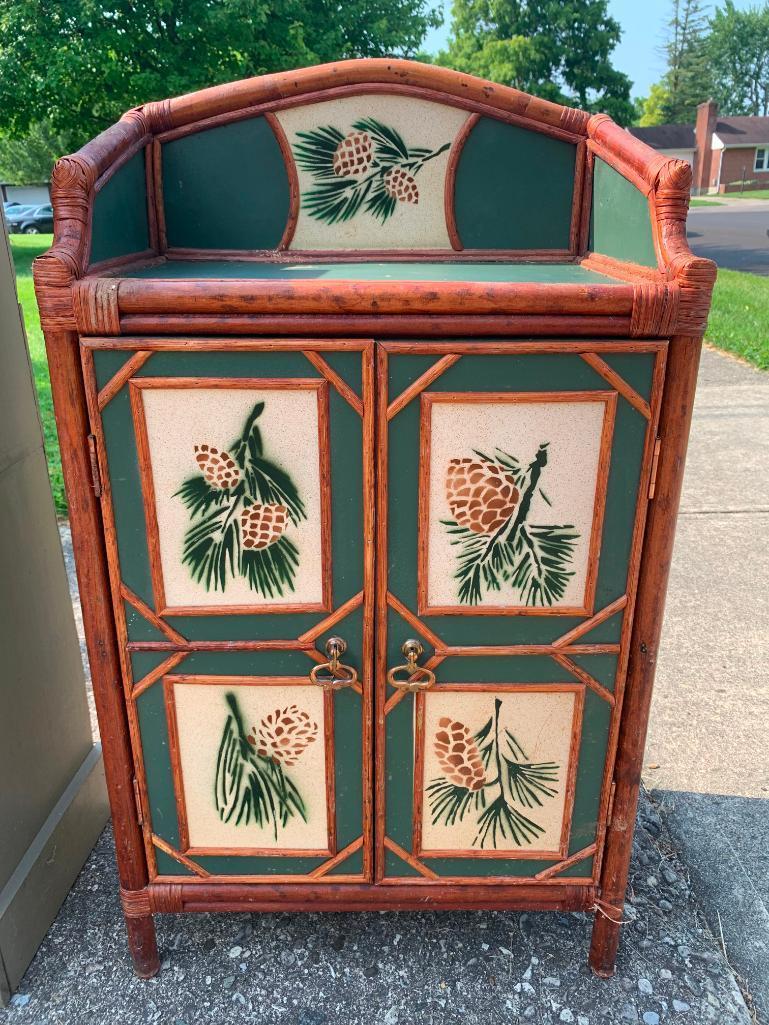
(219,468)
(458,754)
(399,184)
(283,735)
(262,525)
(353,155)
(481,495)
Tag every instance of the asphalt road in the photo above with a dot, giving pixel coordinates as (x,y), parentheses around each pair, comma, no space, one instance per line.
(735,235)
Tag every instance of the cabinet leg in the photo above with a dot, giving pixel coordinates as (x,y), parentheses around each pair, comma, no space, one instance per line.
(142,943)
(603,945)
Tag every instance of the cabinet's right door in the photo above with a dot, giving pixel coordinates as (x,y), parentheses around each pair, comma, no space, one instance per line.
(514,480)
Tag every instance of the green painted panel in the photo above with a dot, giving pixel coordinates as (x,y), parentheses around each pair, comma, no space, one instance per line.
(620,221)
(226,188)
(515,373)
(120,213)
(548,273)
(348,747)
(514,188)
(346,459)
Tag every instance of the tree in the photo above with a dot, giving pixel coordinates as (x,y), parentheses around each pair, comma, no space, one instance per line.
(738,50)
(687,78)
(655,106)
(83,62)
(558,49)
(30,158)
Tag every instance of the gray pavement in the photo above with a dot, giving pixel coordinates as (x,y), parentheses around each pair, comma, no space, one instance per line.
(697,932)
(734,234)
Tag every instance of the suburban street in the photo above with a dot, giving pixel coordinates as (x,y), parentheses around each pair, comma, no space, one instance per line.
(735,235)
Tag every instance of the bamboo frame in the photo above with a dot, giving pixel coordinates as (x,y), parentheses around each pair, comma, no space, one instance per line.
(424,608)
(162,608)
(562,852)
(169,683)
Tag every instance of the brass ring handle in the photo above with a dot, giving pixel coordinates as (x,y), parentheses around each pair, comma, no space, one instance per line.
(419,677)
(337,675)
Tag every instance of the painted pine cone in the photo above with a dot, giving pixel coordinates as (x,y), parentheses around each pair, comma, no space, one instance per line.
(283,734)
(219,468)
(481,495)
(458,754)
(262,525)
(353,155)
(400,185)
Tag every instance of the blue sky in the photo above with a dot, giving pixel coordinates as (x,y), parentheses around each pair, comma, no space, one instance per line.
(643,32)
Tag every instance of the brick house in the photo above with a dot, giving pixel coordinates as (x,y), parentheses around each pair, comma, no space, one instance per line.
(727,154)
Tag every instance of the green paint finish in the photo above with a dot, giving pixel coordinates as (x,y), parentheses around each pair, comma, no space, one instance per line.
(120,213)
(639,374)
(351,866)
(515,273)
(346,460)
(620,220)
(139,628)
(514,188)
(226,188)
(515,373)
(107,362)
(277,865)
(153,726)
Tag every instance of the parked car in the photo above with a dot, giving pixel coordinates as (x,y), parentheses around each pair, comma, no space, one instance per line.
(30,220)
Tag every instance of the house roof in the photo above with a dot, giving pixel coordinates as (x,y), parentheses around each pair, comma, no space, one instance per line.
(668,136)
(742,131)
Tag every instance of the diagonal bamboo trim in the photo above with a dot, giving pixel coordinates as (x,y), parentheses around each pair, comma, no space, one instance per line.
(144,610)
(178,856)
(585,677)
(126,372)
(334,379)
(565,640)
(428,873)
(482,650)
(554,870)
(155,674)
(621,385)
(418,386)
(415,621)
(343,855)
(336,616)
(399,695)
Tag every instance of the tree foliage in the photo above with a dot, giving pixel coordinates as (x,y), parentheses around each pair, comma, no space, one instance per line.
(84,62)
(738,54)
(558,49)
(30,158)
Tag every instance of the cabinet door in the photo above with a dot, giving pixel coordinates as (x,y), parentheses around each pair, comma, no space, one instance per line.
(514,480)
(238,507)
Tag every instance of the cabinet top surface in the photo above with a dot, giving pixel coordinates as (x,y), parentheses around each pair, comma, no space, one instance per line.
(510,273)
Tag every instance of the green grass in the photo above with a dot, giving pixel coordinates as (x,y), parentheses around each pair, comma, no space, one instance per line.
(739,319)
(704,202)
(755,194)
(24,248)
(739,323)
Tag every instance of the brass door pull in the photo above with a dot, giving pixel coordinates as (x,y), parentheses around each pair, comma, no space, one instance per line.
(335,674)
(418,678)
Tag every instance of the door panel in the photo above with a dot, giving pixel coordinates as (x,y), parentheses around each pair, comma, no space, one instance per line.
(513,490)
(237,497)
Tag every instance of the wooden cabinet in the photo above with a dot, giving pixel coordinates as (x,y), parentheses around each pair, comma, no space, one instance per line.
(373,482)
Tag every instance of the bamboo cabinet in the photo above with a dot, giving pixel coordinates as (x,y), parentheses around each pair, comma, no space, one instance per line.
(373,383)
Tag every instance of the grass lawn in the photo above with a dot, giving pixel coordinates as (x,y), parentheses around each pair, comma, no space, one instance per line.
(739,323)
(24,248)
(755,194)
(704,202)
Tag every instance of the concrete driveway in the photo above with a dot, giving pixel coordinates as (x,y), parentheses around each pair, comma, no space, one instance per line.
(735,235)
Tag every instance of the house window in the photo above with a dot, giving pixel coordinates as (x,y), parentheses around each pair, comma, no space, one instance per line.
(762,160)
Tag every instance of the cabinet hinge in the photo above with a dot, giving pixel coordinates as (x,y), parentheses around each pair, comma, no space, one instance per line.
(137,798)
(655,461)
(95,474)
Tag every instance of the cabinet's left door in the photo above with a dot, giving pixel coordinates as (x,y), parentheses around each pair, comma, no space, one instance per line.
(237,494)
